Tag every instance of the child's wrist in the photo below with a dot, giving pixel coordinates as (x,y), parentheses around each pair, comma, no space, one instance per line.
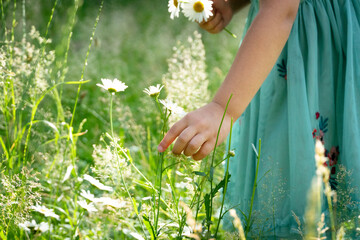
(223,105)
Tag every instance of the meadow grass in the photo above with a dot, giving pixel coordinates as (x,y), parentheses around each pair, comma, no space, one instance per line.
(79,162)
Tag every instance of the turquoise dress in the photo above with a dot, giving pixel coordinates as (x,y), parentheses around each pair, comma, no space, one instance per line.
(312,92)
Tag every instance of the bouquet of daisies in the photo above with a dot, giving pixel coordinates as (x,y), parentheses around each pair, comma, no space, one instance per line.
(194,10)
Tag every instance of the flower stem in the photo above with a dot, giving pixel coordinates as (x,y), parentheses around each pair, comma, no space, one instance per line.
(229,32)
(160,171)
(248,224)
(226,181)
(111,122)
(212,164)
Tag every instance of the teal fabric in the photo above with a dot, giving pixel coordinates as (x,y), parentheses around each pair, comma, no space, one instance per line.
(312,92)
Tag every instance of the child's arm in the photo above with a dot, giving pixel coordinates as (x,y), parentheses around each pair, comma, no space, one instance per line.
(256,57)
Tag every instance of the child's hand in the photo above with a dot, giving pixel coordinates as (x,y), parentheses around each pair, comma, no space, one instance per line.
(196,132)
(223,13)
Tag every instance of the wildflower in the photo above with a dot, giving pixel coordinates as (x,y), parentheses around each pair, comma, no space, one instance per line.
(89,207)
(97,183)
(186,82)
(153,91)
(113,86)
(197,10)
(25,226)
(232,153)
(46,211)
(174,8)
(88,195)
(43,227)
(172,107)
(108,163)
(116,203)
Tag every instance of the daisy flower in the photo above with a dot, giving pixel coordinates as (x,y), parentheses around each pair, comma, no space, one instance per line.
(47,212)
(172,107)
(43,227)
(113,86)
(116,203)
(88,195)
(197,10)
(89,207)
(97,183)
(174,8)
(153,91)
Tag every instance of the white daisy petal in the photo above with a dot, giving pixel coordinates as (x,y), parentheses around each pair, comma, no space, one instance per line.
(153,91)
(89,207)
(172,107)
(68,172)
(97,183)
(116,203)
(88,195)
(174,8)
(46,211)
(112,86)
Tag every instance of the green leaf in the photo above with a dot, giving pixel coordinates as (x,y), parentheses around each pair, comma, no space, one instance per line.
(77,82)
(135,207)
(3,237)
(199,173)
(221,184)
(149,226)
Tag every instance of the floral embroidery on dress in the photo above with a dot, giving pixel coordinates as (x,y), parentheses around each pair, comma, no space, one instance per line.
(334,152)
(282,69)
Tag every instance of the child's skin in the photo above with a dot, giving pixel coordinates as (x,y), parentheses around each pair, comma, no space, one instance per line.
(196,132)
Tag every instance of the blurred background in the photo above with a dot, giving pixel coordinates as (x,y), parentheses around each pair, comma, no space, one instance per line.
(133,41)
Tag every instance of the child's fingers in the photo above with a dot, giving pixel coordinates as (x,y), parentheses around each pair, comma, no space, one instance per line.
(194,145)
(183,140)
(171,135)
(211,23)
(205,150)
(218,27)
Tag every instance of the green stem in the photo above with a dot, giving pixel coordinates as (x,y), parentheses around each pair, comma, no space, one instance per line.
(226,181)
(212,163)
(111,121)
(160,171)
(3,19)
(229,32)
(254,189)
(33,112)
(86,62)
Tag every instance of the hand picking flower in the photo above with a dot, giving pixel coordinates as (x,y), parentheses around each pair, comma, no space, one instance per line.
(198,11)
(113,86)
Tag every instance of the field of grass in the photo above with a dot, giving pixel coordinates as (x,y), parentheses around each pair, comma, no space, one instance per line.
(77,162)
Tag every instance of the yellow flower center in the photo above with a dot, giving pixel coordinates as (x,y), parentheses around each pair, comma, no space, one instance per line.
(198,7)
(112,90)
(176,3)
